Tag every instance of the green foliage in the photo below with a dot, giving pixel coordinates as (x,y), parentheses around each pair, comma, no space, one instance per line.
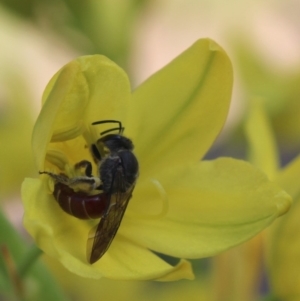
(37,283)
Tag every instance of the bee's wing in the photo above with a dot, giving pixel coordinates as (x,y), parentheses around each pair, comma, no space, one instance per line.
(101,236)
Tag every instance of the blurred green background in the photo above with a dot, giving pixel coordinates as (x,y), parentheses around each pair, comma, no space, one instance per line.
(39,36)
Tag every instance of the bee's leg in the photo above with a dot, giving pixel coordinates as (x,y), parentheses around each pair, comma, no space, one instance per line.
(87,182)
(86,165)
(84,183)
(61,178)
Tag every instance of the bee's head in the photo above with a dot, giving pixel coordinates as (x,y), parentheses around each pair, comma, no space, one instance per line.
(115,142)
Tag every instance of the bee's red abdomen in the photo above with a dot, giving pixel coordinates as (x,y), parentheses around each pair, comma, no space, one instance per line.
(79,204)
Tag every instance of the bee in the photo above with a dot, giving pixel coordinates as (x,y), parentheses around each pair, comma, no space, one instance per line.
(111,189)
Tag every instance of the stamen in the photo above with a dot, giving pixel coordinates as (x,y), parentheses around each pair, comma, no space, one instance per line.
(68,133)
(165,203)
(57,158)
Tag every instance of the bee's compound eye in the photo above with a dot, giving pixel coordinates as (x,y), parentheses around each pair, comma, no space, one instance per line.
(95,152)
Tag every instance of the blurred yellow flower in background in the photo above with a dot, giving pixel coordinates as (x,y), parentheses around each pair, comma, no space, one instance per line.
(173,118)
(15,121)
(281,240)
(284,240)
(278,90)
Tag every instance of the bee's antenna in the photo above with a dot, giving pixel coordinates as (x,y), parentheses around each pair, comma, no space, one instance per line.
(120,128)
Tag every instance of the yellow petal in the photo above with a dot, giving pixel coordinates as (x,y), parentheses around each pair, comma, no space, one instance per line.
(288,178)
(178,112)
(263,150)
(213,206)
(64,237)
(283,240)
(129,260)
(88,89)
(284,255)
(69,81)
(184,267)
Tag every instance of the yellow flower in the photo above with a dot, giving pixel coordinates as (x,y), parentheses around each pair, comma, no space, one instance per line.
(181,206)
(282,240)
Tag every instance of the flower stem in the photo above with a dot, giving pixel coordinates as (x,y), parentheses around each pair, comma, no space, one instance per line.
(29,259)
